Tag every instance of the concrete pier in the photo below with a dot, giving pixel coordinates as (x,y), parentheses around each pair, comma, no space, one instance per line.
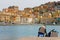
(40,38)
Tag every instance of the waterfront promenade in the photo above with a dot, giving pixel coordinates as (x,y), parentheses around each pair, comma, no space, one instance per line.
(40,38)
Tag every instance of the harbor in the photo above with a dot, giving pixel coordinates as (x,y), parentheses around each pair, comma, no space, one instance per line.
(22,31)
(38,20)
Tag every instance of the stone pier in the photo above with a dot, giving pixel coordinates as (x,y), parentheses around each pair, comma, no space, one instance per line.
(40,38)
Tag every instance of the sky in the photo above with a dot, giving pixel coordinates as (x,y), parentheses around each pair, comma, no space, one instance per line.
(22,3)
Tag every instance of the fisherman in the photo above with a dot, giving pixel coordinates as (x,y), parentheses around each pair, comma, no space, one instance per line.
(42,31)
(50,32)
(53,33)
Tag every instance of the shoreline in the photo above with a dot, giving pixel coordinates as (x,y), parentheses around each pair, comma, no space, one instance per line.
(17,24)
(10,24)
(24,24)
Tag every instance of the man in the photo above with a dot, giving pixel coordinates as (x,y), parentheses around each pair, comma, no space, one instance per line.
(42,31)
(53,33)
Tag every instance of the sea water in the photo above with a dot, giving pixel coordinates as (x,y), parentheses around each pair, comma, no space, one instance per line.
(17,31)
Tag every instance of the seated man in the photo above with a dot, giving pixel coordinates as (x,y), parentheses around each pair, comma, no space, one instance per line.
(53,33)
(42,31)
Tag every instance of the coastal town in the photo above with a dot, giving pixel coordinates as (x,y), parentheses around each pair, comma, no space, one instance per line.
(48,13)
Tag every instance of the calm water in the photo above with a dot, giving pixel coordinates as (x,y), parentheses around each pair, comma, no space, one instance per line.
(24,30)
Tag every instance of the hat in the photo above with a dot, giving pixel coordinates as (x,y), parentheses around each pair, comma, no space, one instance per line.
(43,26)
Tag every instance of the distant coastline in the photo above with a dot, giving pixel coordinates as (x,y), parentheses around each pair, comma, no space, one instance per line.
(1,24)
(48,13)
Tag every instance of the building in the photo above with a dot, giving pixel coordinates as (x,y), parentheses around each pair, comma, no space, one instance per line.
(10,14)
